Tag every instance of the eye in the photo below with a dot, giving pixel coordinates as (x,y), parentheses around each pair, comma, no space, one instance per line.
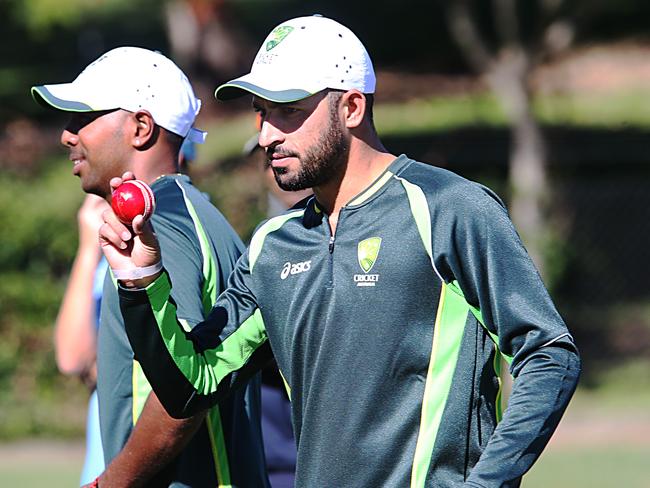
(78,121)
(288,110)
(86,118)
(259,109)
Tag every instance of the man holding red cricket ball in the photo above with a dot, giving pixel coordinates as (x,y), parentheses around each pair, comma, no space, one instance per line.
(133,198)
(130,112)
(387,297)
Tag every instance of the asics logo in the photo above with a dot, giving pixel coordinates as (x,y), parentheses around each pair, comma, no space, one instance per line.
(294,268)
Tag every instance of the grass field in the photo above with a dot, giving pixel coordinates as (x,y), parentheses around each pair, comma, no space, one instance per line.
(603,466)
(37,463)
(604,438)
(602,442)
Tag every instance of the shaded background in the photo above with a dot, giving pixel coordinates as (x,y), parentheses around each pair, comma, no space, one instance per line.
(546,101)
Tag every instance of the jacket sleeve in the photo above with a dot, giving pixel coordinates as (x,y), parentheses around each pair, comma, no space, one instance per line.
(485,257)
(192,369)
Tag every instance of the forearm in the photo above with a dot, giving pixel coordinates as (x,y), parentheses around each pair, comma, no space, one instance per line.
(175,391)
(74,333)
(192,371)
(155,442)
(540,395)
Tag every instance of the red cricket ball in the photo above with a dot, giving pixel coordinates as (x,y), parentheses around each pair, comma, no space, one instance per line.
(132,198)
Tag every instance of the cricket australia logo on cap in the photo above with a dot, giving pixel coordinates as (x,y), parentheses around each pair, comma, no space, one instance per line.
(367,252)
(277,35)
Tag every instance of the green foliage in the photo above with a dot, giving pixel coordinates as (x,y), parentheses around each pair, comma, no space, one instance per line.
(226,139)
(626,382)
(56,39)
(622,108)
(38,220)
(438,113)
(239,192)
(616,108)
(41,15)
(38,244)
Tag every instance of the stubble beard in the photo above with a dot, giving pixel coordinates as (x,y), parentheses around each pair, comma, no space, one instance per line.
(92,182)
(321,163)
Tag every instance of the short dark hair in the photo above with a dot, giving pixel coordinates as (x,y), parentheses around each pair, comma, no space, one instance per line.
(334,97)
(370,102)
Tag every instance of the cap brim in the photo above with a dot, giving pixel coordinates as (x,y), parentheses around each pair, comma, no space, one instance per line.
(60,97)
(239,87)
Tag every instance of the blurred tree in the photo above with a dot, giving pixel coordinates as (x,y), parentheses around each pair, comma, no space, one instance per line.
(504,41)
(205,36)
(504,46)
(52,41)
(39,16)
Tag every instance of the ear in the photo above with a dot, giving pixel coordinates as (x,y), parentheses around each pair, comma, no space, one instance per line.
(353,103)
(144,129)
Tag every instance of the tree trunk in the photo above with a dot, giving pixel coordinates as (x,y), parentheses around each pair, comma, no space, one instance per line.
(508,79)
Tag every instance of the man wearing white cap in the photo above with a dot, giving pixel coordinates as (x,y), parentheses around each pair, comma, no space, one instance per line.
(130,111)
(387,298)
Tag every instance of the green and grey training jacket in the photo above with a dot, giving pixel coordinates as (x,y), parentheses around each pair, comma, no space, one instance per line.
(387,333)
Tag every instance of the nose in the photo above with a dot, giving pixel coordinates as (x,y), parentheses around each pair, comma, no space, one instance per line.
(270,135)
(68,138)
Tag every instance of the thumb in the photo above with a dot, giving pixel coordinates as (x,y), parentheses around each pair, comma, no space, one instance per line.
(149,248)
(144,230)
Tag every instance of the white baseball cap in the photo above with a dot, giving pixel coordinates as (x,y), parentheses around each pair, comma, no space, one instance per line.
(130,78)
(301,57)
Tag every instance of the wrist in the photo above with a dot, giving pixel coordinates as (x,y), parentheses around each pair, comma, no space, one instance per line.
(138,277)
(138,273)
(139,283)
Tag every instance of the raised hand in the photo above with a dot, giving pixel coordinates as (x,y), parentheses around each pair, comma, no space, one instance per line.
(129,250)
(89,219)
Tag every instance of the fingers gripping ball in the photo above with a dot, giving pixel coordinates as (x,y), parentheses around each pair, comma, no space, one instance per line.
(133,198)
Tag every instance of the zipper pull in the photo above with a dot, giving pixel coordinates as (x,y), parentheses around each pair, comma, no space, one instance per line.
(331,245)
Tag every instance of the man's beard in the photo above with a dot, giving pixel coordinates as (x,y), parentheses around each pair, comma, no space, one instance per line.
(321,162)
